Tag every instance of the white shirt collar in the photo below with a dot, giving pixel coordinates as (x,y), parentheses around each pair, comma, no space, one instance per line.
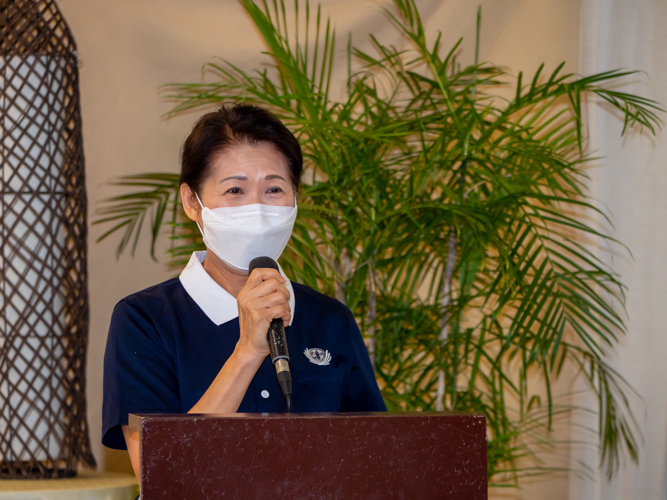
(217,303)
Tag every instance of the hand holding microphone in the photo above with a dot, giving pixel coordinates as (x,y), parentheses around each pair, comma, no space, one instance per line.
(263,306)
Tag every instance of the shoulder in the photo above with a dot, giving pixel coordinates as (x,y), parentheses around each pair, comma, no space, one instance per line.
(154,296)
(146,322)
(149,311)
(311,298)
(313,305)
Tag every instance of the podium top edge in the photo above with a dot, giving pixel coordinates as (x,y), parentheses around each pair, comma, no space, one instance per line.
(137,419)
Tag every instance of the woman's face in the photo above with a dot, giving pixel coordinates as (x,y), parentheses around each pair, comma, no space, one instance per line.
(247,174)
(242,175)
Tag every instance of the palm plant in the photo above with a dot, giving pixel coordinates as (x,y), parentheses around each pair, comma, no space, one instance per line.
(449,220)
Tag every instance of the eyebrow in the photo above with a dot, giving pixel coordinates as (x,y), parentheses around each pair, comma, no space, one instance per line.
(234,177)
(274,176)
(244,178)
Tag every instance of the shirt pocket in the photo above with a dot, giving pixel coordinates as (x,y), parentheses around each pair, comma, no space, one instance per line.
(320,388)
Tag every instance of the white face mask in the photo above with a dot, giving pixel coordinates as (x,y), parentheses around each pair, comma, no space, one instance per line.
(239,234)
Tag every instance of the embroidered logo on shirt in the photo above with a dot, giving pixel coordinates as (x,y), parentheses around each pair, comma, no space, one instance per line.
(318,356)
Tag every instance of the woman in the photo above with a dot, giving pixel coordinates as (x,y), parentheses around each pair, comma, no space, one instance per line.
(197,343)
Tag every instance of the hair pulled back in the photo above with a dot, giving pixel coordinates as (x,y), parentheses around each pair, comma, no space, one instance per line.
(232,125)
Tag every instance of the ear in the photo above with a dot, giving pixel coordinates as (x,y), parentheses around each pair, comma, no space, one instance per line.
(191,206)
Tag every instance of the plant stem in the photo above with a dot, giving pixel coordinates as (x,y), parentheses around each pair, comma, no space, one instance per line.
(341,267)
(372,312)
(450,264)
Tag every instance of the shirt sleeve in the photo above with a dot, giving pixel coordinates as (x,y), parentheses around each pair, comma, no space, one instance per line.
(139,374)
(362,392)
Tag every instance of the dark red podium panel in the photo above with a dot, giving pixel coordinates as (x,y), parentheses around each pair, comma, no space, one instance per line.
(313,456)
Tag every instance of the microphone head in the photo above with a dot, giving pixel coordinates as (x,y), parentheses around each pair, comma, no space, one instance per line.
(262,262)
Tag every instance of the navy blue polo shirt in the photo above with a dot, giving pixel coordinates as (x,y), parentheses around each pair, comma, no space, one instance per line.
(163,352)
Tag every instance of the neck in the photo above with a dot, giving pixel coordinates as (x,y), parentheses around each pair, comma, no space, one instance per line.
(227,277)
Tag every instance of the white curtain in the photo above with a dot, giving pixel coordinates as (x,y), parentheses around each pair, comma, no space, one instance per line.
(630,184)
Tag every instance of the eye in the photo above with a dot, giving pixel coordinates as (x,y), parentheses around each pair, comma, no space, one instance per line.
(234,190)
(275,190)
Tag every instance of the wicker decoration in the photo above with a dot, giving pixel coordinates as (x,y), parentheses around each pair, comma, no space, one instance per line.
(44,287)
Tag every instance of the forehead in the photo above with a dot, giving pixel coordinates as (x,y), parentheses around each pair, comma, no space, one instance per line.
(247,159)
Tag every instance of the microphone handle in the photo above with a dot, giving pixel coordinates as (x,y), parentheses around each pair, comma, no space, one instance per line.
(277,342)
(280,359)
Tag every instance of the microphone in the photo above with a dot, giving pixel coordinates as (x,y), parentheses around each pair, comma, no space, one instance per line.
(276,338)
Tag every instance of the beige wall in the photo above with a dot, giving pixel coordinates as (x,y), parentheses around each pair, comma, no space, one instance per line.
(129,48)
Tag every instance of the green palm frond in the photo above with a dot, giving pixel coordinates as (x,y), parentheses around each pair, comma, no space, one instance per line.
(156,195)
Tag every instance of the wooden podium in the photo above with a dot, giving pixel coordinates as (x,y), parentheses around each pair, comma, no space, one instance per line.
(313,456)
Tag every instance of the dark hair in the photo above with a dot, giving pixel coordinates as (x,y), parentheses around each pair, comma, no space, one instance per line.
(231,125)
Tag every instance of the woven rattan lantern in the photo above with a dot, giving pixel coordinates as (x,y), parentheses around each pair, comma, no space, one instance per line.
(44,290)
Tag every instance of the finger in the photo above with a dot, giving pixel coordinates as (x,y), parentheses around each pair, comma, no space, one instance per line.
(274,299)
(266,288)
(248,293)
(267,307)
(279,312)
(268,314)
(262,274)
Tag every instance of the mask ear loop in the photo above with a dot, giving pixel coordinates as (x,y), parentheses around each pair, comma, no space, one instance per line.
(202,207)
